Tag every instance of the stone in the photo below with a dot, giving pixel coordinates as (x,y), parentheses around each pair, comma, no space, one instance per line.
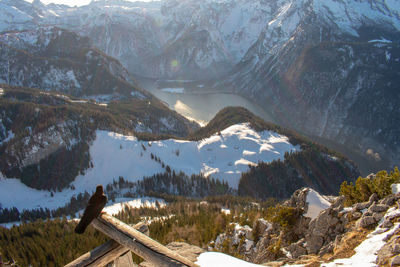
(396,249)
(314,244)
(338,204)
(373,198)
(243,231)
(326,249)
(365,221)
(395,261)
(323,230)
(361,206)
(297,249)
(387,224)
(298,199)
(337,241)
(377,208)
(263,253)
(339,228)
(301,226)
(378,216)
(356,215)
(261,225)
(390,250)
(389,200)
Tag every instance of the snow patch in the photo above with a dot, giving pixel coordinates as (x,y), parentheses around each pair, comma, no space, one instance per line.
(316,204)
(174,90)
(122,203)
(225,211)
(10,135)
(217,259)
(383,40)
(395,188)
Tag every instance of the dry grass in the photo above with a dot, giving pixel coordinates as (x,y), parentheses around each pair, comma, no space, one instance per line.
(306,260)
(348,243)
(313,264)
(345,250)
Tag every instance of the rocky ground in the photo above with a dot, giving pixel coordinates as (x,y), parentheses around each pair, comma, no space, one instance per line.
(328,238)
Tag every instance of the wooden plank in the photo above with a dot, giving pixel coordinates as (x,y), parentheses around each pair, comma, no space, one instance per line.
(105,253)
(99,256)
(138,243)
(125,260)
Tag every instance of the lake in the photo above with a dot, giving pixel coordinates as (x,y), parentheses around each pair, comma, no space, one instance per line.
(201,107)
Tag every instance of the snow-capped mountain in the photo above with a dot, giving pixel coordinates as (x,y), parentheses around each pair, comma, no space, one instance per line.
(315,65)
(330,69)
(200,34)
(50,58)
(168,38)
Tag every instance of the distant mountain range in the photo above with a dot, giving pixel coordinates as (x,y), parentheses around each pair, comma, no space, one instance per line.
(326,68)
(58,60)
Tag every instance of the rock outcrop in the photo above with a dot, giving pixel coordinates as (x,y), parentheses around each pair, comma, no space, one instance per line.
(240,237)
(323,230)
(325,233)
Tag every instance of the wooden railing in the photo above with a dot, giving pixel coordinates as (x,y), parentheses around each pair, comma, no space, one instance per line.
(125,239)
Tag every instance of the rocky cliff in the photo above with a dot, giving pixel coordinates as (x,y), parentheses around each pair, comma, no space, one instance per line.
(322,231)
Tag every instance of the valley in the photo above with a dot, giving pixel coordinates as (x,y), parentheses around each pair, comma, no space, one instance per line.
(199,103)
(192,100)
(264,130)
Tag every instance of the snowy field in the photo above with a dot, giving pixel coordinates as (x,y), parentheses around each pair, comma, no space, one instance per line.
(223,156)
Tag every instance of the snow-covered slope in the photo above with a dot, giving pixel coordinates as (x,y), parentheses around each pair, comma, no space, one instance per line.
(122,203)
(316,204)
(223,156)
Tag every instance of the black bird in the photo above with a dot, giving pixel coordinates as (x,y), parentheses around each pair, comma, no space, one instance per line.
(93,209)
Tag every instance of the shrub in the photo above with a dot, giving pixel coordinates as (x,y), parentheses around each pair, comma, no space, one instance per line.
(286,217)
(365,187)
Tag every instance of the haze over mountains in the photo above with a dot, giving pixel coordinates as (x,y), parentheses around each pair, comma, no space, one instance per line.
(325,68)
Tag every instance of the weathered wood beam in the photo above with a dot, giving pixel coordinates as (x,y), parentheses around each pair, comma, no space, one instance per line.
(105,253)
(125,260)
(138,243)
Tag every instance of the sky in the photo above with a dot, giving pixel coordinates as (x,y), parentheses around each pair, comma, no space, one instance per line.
(65,2)
(73,2)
